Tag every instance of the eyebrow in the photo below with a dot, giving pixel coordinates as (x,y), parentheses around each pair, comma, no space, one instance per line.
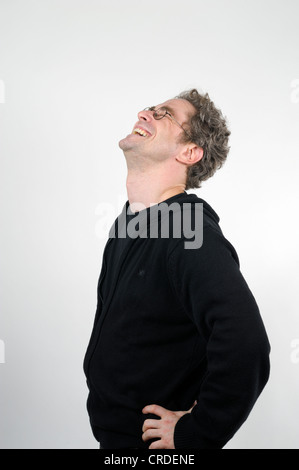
(168,108)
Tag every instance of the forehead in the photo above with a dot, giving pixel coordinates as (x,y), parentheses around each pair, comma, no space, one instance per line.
(180,108)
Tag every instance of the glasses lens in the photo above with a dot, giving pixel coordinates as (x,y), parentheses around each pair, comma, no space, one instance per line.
(159,113)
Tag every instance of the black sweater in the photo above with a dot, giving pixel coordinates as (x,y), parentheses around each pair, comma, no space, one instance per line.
(174,325)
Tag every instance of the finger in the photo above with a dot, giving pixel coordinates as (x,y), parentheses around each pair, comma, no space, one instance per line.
(158,444)
(155,409)
(151,424)
(151,434)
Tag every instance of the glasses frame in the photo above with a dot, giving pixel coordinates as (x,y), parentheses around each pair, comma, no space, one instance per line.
(157,117)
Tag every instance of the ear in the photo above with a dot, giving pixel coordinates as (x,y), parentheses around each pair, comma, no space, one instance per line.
(190,155)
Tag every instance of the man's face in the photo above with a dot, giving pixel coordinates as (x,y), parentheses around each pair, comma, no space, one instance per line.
(160,139)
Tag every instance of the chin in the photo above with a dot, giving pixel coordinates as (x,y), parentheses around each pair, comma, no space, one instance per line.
(122,144)
(125,144)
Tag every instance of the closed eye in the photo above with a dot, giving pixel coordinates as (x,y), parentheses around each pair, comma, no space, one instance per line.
(164,108)
(168,114)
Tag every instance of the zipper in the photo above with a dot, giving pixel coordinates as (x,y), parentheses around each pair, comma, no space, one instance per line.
(98,312)
(104,270)
(110,299)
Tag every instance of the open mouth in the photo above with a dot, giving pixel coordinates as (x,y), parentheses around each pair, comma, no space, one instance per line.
(141,132)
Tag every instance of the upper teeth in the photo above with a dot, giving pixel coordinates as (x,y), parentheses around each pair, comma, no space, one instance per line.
(137,130)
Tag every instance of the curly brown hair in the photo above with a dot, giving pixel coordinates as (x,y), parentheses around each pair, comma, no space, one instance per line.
(208,129)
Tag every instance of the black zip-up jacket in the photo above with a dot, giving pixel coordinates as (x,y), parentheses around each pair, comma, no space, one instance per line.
(173,325)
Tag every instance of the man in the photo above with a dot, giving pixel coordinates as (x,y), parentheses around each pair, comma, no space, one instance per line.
(178,354)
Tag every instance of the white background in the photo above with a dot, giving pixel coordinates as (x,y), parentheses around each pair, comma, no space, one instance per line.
(74,75)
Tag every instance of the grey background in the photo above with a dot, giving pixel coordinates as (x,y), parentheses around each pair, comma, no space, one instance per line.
(74,74)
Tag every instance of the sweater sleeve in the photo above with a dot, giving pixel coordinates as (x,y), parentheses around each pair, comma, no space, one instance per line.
(216,297)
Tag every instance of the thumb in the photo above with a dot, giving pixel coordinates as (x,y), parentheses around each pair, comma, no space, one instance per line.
(195,403)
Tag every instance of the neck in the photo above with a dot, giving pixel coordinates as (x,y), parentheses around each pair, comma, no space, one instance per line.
(151,187)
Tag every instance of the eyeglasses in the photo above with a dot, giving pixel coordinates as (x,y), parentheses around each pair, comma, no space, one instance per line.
(160,113)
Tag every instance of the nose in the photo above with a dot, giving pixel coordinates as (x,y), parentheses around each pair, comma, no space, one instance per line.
(145,115)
